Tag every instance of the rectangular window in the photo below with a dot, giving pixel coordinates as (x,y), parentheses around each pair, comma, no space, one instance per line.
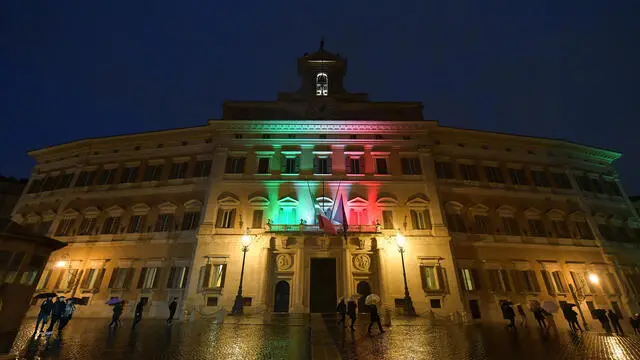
(66,181)
(136,224)
(421,219)
(85,178)
(584,230)
(35,187)
(264,166)
(540,179)
(256,221)
(494,174)
(226,218)
(164,223)
(597,185)
(469,172)
(290,165)
(499,280)
(444,170)
(613,188)
(178,277)
(411,166)
(29,275)
(561,229)
(613,287)
(518,176)
(43,227)
(178,170)
(65,226)
(44,280)
(536,227)
(121,278)
(354,165)
(433,278)
(470,279)
(87,226)
(387,219)
(50,183)
(190,220)
(148,278)
(111,225)
(381,166)
(89,278)
(562,181)
(14,265)
(530,281)
(203,168)
(456,223)
(584,183)
(213,276)
(578,282)
(482,224)
(153,172)
(322,165)
(234,165)
(129,175)
(511,226)
(559,282)
(108,176)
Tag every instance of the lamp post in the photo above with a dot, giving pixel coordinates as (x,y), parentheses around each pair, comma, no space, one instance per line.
(238,305)
(408,303)
(594,280)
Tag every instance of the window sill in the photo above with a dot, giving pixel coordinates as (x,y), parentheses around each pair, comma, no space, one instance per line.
(322,174)
(262,174)
(496,185)
(382,175)
(355,174)
(289,174)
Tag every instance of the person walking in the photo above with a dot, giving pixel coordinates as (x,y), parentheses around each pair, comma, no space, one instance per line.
(44,314)
(635,323)
(138,313)
(351,311)
(375,318)
(70,307)
(573,320)
(539,315)
(615,321)
(56,313)
(117,311)
(342,310)
(601,315)
(509,314)
(172,310)
(523,316)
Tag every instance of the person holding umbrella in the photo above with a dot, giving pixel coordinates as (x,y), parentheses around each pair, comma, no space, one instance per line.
(372,301)
(56,313)
(70,307)
(45,311)
(117,311)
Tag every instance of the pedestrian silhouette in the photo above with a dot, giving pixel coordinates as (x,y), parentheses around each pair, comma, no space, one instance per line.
(615,322)
(342,310)
(375,318)
(351,311)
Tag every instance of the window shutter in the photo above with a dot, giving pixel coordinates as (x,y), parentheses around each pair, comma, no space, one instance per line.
(414,220)
(423,278)
(59,279)
(516,280)
(185,278)
(45,282)
(477,284)
(114,273)
(85,281)
(224,275)
(100,276)
(316,165)
(534,280)
(227,165)
(232,216)
(170,280)
(418,166)
(548,282)
(347,164)
(155,279)
(143,272)
(128,278)
(361,164)
(75,280)
(297,168)
(404,163)
(330,165)
(206,276)
(442,278)
(576,283)
(427,218)
(219,217)
(283,165)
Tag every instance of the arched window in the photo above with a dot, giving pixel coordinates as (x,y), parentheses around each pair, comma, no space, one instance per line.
(322,84)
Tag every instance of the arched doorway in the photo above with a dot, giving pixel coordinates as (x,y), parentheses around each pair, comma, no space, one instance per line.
(281,303)
(364,289)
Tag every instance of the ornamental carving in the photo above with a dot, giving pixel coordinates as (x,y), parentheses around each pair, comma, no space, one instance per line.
(284,262)
(362,262)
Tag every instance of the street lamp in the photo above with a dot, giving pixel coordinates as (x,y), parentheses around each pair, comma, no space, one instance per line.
(408,304)
(594,279)
(238,305)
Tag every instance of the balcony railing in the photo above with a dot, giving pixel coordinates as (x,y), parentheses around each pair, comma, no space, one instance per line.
(316,228)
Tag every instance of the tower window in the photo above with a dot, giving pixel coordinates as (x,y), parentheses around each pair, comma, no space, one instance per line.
(322,84)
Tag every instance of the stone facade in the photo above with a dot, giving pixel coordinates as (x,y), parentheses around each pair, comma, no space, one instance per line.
(486,217)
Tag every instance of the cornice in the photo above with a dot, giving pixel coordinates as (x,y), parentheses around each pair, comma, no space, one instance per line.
(325,126)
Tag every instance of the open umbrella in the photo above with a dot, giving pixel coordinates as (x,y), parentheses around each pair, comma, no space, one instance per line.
(372,299)
(550,306)
(45,295)
(114,301)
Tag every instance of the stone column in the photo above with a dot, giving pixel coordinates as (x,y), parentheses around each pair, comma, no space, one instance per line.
(299,282)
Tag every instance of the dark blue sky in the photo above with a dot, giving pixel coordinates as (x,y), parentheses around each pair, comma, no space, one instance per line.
(76,69)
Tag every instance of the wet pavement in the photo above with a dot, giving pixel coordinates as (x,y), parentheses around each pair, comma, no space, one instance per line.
(288,338)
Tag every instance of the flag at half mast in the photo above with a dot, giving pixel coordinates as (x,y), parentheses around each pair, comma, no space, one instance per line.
(323,221)
(341,218)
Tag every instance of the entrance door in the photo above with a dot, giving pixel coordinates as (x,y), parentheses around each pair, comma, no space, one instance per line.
(323,293)
(474,306)
(363,290)
(281,303)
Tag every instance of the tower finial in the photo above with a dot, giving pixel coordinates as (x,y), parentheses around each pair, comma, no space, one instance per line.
(322,43)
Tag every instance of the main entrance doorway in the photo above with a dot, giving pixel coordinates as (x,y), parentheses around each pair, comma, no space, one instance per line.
(323,286)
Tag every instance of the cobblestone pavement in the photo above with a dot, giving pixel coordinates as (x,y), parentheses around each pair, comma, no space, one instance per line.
(275,337)
(91,339)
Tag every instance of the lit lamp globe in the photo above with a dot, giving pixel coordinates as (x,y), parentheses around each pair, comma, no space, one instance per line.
(245,240)
(400,241)
(61,264)
(594,278)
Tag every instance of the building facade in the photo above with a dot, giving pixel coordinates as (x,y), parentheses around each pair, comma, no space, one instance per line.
(486,217)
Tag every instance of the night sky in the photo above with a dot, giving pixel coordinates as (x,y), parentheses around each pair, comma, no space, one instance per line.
(76,69)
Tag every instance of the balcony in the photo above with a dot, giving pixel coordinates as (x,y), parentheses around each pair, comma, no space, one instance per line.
(279,228)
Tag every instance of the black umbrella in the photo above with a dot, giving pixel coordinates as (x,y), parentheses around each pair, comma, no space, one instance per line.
(45,295)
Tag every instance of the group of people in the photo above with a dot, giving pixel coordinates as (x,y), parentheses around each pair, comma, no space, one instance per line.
(118,308)
(350,308)
(59,311)
(609,320)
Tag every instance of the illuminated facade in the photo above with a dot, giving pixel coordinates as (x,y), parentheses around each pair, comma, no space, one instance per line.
(486,217)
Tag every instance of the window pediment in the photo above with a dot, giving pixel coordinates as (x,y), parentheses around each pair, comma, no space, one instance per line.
(579,216)
(506,211)
(115,210)
(91,211)
(193,205)
(167,207)
(288,201)
(387,202)
(555,214)
(17,217)
(140,209)
(48,215)
(479,209)
(228,199)
(453,207)
(357,202)
(532,213)
(33,217)
(259,201)
(70,212)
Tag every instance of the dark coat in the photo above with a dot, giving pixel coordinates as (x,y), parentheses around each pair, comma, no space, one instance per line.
(374,313)
(58,308)
(351,308)
(139,307)
(613,317)
(46,307)
(342,307)
(117,309)
(173,306)
(507,312)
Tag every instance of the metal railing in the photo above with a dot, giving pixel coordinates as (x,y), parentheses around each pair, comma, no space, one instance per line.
(316,228)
